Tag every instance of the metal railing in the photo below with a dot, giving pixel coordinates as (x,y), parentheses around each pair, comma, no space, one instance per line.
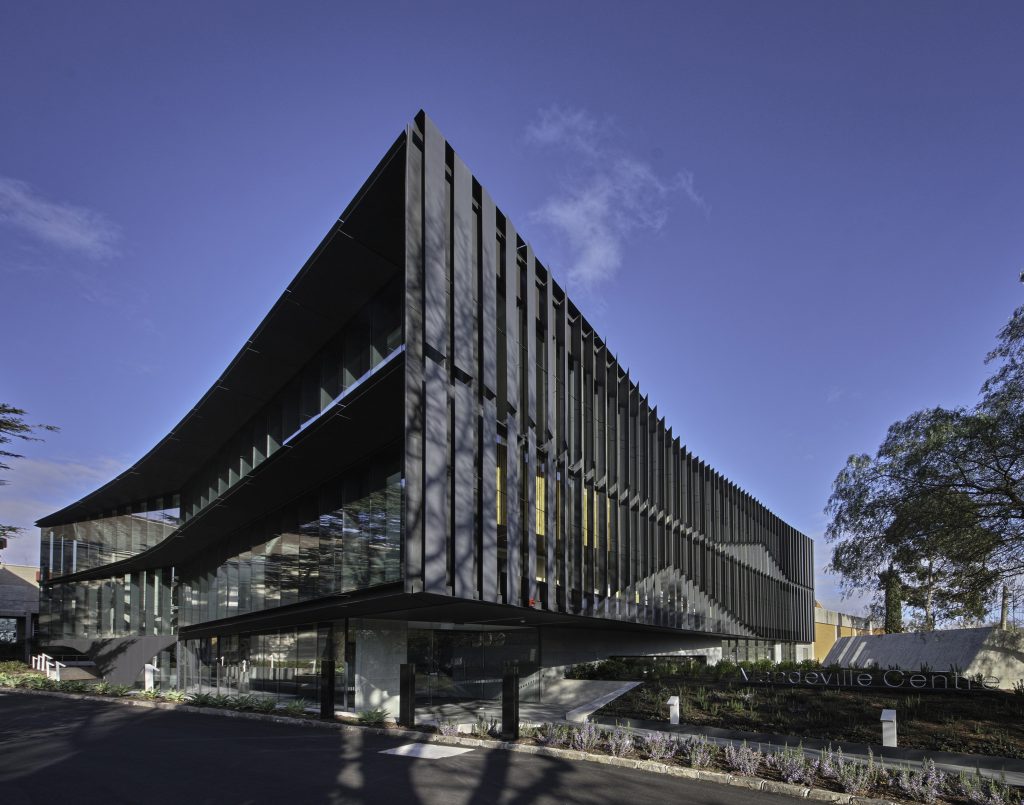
(48,665)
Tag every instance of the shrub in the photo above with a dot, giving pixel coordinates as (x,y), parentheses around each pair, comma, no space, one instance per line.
(202,699)
(149,695)
(620,742)
(528,730)
(699,752)
(120,690)
(174,695)
(297,707)
(485,727)
(659,746)
(921,786)
(374,717)
(793,766)
(245,702)
(263,704)
(37,683)
(743,759)
(447,728)
(554,734)
(850,776)
(978,790)
(585,737)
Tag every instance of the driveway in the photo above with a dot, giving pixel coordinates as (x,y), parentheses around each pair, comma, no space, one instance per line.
(75,751)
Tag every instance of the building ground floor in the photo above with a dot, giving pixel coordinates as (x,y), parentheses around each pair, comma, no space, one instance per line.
(353,659)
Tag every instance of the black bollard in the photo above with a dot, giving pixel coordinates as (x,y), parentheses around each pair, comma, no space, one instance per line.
(510,702)
(327,690)
(407,695)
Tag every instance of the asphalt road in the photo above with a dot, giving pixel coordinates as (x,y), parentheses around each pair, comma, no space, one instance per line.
(81,752)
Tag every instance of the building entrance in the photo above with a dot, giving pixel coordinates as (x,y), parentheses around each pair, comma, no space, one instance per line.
(462,663)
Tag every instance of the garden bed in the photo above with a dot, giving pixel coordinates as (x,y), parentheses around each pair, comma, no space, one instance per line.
(984,722)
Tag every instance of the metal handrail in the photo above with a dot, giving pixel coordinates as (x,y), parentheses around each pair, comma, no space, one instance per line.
(48,665)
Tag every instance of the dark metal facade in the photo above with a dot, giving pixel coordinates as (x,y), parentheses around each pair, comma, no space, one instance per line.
(537,473)
(534,473)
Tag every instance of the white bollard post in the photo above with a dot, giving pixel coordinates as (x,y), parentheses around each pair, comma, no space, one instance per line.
(673,709)
(888,728)
(150,673)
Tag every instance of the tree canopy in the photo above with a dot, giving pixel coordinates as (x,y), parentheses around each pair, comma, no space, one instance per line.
(940,506)
(14,427)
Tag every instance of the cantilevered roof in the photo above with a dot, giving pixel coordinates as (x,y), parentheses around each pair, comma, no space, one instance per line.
(306,316)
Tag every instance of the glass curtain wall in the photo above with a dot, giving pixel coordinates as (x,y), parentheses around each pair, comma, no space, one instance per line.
(345,536)
(74,547)
(138,603)
(285,665)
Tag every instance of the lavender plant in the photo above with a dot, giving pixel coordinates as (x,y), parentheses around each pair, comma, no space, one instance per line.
(793,766)
(585,737)
(659,746)
(921,786)
(977,790)
(554,735)
(699,752)
(743,759)
(620,742)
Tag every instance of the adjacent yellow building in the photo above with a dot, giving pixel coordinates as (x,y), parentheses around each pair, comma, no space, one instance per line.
(830,625)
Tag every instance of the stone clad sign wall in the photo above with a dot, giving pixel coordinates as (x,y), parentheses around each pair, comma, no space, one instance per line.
(987,651)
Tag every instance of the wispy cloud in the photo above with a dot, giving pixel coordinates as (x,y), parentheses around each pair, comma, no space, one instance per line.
(69,227)
(36,487)
(611,195)
(563,126)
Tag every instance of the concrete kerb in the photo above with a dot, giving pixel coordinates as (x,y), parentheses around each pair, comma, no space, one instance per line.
(721,778)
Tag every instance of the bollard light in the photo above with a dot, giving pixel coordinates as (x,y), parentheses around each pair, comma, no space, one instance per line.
(673,709)
(888,728)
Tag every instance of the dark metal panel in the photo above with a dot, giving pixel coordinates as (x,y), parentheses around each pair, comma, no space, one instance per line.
(511,319)
(530,515)
(464,534)
(513,519)
(551,345)
(489,502)
(414,401)
(465,275)
(550,515)
(435,240)
(488,294)
(530,302)
(561,450)
(435,491)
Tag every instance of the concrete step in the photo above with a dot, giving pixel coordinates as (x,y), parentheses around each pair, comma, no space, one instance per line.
(78,673)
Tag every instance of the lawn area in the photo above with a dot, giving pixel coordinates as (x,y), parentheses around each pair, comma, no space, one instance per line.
(977,722)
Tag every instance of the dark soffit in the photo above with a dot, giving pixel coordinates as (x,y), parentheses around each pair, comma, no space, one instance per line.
(299,323)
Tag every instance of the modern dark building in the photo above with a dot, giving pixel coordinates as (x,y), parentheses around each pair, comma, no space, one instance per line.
(423,454)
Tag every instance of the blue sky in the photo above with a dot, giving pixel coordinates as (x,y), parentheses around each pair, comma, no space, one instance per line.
(794,222)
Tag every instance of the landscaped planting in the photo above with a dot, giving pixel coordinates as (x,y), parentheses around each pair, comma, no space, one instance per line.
(979,721)
(19,675)
(832,771)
